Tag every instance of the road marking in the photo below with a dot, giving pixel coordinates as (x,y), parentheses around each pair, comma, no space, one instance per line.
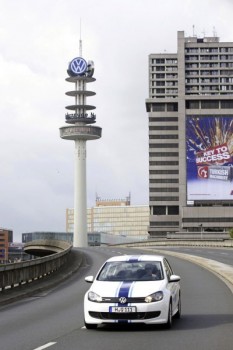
(46,346)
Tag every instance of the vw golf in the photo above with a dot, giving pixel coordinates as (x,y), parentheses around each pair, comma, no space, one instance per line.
(133,289)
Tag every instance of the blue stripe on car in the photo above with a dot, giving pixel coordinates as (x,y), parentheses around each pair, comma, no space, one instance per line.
(124,292)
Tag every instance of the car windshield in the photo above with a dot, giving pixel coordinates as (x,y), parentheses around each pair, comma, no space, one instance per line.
(131,271)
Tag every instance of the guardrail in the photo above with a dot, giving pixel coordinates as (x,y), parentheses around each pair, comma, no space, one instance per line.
(15,274)
(224,243)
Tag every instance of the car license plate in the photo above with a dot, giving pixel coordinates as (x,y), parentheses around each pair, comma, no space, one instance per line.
(122,309)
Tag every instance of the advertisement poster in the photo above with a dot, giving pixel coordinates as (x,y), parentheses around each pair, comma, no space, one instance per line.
(209,157)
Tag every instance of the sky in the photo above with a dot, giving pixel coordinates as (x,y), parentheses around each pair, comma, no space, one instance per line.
(38,39)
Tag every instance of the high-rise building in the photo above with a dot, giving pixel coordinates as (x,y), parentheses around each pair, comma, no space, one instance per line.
(190,110)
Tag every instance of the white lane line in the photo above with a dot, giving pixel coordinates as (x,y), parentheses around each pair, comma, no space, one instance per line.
(46,346)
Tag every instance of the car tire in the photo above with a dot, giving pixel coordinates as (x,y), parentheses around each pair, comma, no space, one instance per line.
(178,313)
(168,324)
(90,325)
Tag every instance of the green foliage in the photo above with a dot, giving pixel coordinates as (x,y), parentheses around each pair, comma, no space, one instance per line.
(231,232)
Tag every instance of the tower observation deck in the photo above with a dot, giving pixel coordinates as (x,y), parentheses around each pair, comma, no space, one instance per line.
(80,117)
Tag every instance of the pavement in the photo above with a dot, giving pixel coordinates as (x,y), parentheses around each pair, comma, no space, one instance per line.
(75,260)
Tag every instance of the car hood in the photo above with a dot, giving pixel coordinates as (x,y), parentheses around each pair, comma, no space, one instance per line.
(130,289)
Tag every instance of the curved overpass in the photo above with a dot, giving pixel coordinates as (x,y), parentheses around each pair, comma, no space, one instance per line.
(44,247)
(51,255)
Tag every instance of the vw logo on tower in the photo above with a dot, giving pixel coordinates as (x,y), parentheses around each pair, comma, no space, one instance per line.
(77,67)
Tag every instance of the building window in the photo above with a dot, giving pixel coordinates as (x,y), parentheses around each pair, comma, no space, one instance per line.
(172,107)
(163,181)
(227,104)
(198,219)
(173,210)
(164,127)
(164,145)
(208,104)
(164,223)
(164,172)
(164,137)
(192,104)
(164,154)
(164,199)
(164,163)
(163,119)
(158,107)
(159,210)
(160,76)
(164,189)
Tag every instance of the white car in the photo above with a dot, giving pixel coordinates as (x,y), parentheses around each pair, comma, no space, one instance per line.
(133,289)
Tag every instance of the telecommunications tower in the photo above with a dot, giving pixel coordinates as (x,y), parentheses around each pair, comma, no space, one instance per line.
(80,129)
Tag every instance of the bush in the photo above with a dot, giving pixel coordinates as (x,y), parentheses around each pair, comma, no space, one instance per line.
(231,232)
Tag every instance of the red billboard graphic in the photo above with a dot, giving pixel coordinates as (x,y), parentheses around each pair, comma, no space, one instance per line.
(202,172)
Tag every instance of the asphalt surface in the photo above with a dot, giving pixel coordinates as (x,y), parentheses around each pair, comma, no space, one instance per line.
(53,319)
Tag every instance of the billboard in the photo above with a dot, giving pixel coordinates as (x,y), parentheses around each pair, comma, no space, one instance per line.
(209,157)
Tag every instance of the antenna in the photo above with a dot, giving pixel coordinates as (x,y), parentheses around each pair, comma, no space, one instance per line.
(80,39)
(214,32)
(193,30)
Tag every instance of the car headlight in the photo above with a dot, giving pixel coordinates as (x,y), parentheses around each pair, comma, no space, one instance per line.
(154,297)
(94,297)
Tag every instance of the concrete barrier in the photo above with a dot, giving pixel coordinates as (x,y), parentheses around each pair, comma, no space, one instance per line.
(15,274)
(223,243)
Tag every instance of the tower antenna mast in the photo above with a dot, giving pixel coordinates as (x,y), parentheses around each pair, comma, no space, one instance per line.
(80,40)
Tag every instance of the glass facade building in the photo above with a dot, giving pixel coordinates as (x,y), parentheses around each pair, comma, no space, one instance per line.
(112,218)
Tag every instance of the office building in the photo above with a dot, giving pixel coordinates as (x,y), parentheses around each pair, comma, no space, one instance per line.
(116,217)
(190,111)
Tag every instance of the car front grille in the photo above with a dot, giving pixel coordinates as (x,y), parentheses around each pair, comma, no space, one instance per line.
(124,316)
(129,300)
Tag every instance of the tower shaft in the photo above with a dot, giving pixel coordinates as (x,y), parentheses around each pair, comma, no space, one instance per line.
(80,205)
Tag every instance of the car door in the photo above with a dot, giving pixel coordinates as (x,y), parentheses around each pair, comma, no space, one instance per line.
(172,286)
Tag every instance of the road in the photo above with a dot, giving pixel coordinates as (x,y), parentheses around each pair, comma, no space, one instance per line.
(54,320)
(223,255)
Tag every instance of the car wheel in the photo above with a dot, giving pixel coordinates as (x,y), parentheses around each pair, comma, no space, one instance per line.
(178,313)
(169,317)
(90,325)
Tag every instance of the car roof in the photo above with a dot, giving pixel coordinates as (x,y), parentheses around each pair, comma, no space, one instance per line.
(144,257)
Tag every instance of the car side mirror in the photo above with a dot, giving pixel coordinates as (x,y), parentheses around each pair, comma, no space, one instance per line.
(174,278)
(89,279)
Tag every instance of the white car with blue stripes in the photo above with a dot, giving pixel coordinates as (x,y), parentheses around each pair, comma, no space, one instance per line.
(133,289)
